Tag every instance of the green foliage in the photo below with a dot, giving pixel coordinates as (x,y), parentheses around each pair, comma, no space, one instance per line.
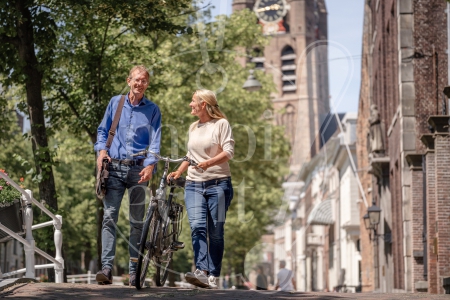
(99,43)
(13,144)
(42,41)
(8,194)
(74,176)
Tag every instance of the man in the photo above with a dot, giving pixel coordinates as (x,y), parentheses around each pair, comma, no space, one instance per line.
(285,279)
(139,128)
(261,279)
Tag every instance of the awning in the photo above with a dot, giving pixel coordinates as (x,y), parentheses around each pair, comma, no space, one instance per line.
(321,214)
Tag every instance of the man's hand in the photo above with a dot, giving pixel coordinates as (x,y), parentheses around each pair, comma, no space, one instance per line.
(102,154)
(146,173)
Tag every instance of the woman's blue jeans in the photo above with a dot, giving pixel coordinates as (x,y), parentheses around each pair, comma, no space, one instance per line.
(122,177)
(207,203)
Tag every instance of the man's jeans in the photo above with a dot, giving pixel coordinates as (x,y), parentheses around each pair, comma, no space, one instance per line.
(207,203)
(122,177)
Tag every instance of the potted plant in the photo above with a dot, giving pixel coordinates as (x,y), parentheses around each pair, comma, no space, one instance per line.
(10,208)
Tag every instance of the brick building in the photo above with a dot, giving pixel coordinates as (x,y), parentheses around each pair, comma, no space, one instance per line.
(403,145)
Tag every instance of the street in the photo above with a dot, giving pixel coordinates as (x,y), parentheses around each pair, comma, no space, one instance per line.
(91,291)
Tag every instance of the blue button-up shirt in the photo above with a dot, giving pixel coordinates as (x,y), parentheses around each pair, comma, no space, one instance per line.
(139,128)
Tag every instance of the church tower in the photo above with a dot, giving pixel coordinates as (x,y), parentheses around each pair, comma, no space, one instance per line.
(297,58)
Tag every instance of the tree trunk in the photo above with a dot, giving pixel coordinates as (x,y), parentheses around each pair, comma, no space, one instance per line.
(33,84)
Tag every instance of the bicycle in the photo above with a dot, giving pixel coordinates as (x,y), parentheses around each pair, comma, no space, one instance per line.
(162,226)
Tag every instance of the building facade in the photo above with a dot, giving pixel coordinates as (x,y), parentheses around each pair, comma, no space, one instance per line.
(325,218)
(401,114)
(298,60)
(319,235)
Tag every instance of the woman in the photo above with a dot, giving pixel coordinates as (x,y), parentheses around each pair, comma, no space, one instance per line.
(208,190)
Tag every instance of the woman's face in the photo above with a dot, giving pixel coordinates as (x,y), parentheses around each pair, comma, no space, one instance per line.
(197,108)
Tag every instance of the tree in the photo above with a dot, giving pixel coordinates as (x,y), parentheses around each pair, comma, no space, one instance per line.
(99,41)
(27,38)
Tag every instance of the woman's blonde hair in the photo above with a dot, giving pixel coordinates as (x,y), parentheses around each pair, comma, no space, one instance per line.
(212,107)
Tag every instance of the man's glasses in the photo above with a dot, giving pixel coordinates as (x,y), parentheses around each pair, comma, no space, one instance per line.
(139,81)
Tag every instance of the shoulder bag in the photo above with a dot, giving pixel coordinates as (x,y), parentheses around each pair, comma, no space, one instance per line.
(103,173)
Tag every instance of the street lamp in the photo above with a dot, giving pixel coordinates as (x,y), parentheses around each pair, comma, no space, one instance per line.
(252,84)
(374,215)
(367,222)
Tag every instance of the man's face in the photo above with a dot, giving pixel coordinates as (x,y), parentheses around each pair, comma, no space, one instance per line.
(138,83)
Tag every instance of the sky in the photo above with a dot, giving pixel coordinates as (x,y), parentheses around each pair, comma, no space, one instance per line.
(345,26)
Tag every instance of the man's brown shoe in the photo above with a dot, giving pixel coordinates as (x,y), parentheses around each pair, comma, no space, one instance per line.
(104,276)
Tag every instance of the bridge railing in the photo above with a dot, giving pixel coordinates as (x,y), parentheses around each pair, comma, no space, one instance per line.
(29,243)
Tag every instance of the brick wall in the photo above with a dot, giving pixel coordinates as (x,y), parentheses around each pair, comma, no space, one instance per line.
(430,62)
(442,150)
(362,153)
(417,223)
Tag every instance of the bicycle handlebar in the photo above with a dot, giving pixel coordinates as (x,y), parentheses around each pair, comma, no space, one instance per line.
(185,158)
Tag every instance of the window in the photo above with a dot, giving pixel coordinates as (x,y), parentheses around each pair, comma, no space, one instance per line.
(288,121)
(288,67)
(257,57)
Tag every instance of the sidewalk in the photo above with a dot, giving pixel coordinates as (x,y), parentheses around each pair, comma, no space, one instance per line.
(92,291)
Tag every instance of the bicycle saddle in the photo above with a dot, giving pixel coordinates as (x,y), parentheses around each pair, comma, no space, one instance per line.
(180,181)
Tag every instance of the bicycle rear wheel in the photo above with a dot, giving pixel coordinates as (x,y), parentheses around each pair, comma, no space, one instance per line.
(163,261)
(146,249)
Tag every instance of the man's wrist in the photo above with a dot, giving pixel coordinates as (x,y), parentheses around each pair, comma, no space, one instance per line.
(150,166)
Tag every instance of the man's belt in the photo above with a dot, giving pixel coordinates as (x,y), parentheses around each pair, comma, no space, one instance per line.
(129,162)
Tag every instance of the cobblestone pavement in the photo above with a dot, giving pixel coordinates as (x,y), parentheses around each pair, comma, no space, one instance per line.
(92,291)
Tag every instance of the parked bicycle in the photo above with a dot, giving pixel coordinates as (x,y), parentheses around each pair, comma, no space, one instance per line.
(162,225)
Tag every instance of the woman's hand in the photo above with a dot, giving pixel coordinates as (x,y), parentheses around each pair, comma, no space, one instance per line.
(174,175)
(203,165)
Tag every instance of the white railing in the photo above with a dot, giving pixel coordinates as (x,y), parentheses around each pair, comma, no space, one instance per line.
(89,278)
(29,243)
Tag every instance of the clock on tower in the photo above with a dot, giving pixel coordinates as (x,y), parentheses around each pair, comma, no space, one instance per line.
(270,14)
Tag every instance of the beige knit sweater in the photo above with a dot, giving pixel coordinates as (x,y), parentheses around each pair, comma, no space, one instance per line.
(206,140)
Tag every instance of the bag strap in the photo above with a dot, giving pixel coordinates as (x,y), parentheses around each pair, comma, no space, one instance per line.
(112,130)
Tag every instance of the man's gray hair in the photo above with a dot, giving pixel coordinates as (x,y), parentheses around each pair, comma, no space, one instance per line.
(282,263)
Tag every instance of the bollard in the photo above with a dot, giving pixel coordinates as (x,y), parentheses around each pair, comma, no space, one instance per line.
(89,277)
(29,250)
(59,267)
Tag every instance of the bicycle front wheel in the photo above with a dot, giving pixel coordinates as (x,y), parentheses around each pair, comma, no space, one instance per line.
(146,248)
